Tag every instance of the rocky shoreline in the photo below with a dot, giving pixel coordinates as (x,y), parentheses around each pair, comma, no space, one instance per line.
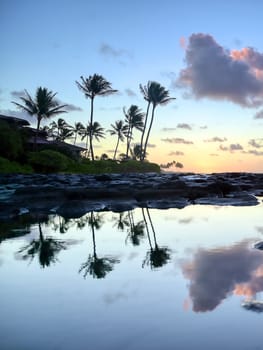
(74,195)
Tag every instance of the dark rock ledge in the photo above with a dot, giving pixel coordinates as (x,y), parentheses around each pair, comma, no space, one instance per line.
(75,195)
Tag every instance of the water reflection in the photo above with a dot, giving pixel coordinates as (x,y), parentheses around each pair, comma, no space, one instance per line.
(216,273)
(156,256)
(95,266)
(45,248)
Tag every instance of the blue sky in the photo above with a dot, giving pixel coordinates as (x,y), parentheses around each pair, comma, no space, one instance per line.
(209,54)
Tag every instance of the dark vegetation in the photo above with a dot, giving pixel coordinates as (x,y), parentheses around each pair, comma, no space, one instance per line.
(19,154)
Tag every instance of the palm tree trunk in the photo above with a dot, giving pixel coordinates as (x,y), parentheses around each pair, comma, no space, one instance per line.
(37,132)
(128,141)
(147,229)
(117,145)
(151,223)
(148,133)
(76,134)
(93,234)
(91,123)
(144,129)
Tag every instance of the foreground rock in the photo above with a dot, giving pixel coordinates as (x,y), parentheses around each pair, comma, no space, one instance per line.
(75,195)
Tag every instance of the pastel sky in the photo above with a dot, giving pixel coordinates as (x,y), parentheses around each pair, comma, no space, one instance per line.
(209,54)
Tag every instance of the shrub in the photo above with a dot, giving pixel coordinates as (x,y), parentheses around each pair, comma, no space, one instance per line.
(48,161)
(11,145)
(8,167)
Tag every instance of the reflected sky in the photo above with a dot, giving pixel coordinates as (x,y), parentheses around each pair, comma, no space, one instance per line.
(142,279)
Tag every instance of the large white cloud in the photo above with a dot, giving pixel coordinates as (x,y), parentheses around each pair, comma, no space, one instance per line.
(213,72)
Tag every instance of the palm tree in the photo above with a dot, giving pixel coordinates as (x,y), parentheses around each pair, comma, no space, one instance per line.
(93,130)
(45,248)
(58,127)
(42,106)
(157,256)
(155,94)
(134,119)
(95,266)
(77,130)
(120,129)
(94,85)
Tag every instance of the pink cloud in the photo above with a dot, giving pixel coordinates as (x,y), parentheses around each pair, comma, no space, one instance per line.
(213,72)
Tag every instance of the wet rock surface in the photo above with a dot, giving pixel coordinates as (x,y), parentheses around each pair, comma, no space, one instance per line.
(74,195)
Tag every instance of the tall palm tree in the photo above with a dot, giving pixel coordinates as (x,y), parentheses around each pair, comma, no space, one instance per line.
(155,94)
(43,106)
(94,85)
(134,120)
(77,130)
(120,129)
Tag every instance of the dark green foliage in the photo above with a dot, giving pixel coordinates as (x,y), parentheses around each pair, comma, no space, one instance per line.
(48,161)
(9,167)
(11,145)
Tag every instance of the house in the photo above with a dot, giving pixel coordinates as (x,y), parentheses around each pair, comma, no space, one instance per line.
(41,138)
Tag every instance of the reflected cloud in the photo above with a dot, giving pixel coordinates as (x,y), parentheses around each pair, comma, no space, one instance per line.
(215,273)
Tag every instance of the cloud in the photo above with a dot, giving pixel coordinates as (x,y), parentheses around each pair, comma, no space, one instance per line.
(183,42)
(231,148)
(108,51)
(151,145)
(176,153)
(184,126)
(235,147)
(214,155)
(168,129)
(130,93)
(254,152)
(216,139)
(216,73)
(215,273)
(203,127)
(254,143)
(259,115)
(72,108)
(177,140)
(18,93)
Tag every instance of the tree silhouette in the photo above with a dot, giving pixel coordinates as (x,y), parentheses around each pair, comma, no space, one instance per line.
(45,248)
(94,85)
(155,94)
(95,266)
(120,129)
(156,256)
(77,130)
(42,106)
(93,130)
(135,230)
(134,120)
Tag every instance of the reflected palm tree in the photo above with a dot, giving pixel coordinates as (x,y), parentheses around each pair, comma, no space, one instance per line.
(121,222)
(95,266)
(136,231)
(45,248)
(156,256)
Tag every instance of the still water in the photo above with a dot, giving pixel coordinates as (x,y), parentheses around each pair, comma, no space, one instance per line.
(143,279)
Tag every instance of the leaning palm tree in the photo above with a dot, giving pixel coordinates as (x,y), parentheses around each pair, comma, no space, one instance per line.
(120,129)
(155,94)
(94,85)
(43,106)
(134,120)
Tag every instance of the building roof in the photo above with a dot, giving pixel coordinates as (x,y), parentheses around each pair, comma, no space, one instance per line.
(14,120)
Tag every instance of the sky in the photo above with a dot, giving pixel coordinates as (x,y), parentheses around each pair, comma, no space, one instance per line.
(208,54)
